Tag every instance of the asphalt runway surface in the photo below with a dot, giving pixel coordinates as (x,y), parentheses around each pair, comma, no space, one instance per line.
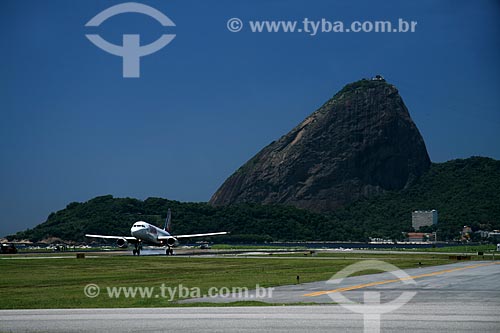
(462,297)
(474,281)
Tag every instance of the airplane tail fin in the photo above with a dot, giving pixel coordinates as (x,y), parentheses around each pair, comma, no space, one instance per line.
(168,221)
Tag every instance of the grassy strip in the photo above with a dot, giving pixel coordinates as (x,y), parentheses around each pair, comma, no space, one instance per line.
(70,250)
(59,283)
(255,247)
(360,255)
(457,249)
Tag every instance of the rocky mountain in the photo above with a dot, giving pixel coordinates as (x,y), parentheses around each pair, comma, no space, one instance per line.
(360,143)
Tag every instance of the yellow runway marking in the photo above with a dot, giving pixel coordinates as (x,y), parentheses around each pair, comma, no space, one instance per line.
(376,283)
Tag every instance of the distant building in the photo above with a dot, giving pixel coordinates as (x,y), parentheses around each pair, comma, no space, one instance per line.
(416,237)
(495,235)
(466,233)
(483,233)
(420,237)
(421,218)
(8,249)
(378,78)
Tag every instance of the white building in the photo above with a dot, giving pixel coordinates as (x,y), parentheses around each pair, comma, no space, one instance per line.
(420,218)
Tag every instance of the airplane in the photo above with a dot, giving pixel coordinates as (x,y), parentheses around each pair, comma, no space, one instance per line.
(143,232)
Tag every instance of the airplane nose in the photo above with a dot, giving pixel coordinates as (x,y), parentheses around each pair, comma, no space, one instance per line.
(136,231)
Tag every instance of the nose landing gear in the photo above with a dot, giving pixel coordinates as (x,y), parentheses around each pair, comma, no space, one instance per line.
(137,250)
(169,251)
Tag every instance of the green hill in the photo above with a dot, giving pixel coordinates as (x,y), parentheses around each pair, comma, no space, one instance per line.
(464,191)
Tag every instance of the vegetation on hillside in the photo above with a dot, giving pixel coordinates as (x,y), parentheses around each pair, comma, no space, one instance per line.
(464,191)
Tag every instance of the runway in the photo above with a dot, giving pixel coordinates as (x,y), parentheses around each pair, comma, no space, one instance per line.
(412,318)
(465,281)
(462,297)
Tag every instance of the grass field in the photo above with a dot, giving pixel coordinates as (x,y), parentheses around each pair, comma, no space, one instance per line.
(461,249)
(59,283)
(250,247)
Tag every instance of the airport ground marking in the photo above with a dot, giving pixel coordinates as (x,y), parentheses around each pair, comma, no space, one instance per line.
(376,283)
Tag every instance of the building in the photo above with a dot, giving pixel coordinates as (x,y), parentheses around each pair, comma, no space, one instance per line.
(483,234)
(420,237)
(378,78)
(495,235)
(421,218)
(416,237)
(466,233)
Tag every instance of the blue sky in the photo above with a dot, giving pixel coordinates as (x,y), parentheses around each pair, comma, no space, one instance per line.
(73,128)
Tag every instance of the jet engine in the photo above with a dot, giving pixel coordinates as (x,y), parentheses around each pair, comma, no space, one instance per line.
(171,241)
(122,243)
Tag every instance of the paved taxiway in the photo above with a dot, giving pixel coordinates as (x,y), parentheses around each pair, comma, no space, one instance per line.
(462,297)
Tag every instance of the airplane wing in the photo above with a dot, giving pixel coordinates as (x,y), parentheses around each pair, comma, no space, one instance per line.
(193,235)
(128,238)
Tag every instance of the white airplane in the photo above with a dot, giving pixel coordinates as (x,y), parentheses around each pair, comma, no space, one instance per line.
(143,232)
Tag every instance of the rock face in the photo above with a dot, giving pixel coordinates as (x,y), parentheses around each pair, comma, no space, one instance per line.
(360,143)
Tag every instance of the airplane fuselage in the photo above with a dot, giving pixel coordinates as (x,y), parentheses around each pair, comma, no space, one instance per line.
(148,233)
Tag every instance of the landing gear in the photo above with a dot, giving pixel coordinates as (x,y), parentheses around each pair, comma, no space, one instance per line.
(169,251)
(137,249)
